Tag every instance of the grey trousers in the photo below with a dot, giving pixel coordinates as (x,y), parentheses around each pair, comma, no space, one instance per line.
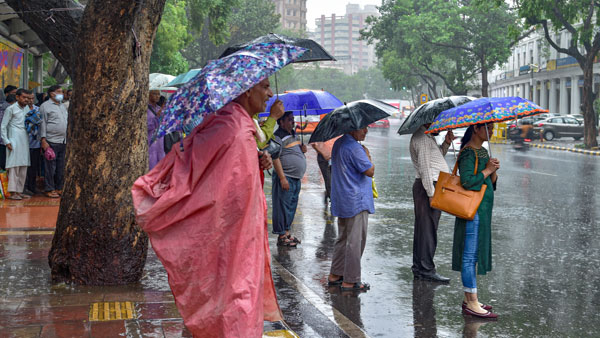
(349,247)
(425,237)
(326,172)
(54,175)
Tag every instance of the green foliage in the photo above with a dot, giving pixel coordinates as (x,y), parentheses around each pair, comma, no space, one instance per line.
(171,36)
(251,19)
(364,84)
(428,41)
(212,17)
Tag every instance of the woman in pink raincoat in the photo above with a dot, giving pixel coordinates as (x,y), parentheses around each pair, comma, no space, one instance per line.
(205,212)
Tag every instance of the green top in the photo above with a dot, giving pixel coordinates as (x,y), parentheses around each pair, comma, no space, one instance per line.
(268,128)
(471,181)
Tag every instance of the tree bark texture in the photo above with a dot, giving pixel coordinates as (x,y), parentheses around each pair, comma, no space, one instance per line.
(590,133)
(106,50)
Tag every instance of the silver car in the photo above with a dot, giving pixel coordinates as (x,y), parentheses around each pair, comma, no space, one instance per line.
(557,127)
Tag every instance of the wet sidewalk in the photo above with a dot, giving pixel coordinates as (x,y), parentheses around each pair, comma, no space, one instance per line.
(31,306)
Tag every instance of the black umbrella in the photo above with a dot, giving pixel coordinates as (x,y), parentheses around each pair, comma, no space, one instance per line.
(428,111)
(352,116)
(315,51)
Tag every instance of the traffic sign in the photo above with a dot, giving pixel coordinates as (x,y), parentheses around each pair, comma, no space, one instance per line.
(424,98)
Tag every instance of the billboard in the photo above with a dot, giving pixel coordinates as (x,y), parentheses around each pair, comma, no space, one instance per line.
(11,62)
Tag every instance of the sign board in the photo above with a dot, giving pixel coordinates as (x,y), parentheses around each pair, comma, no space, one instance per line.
(423,98)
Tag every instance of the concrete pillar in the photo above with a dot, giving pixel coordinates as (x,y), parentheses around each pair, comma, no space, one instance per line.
(575,97)
(563,102)
(25,71)
(552,97)
(38,73)
(536,97)
(543,95)
(527,91)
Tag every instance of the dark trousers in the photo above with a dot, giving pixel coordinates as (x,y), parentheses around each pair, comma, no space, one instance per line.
(55,170)
(2,157)
(35,157)
(285,203)
(425,237)
(326,172)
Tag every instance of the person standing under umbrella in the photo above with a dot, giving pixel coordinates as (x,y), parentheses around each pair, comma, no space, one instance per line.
(156,150)
(428,160)
(352,202)
(472,247)
(289,170)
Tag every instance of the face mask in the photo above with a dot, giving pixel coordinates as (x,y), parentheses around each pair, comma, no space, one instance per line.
(59,97)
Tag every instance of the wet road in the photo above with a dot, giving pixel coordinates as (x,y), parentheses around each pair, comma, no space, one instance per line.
(546,256)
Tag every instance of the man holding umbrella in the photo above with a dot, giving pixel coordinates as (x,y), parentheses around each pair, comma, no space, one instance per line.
(428,160)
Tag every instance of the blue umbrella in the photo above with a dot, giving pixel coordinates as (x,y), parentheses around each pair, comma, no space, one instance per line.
(183,78)
(221,81)
(316,102)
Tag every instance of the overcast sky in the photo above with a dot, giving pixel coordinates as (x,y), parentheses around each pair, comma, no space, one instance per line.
(316,8)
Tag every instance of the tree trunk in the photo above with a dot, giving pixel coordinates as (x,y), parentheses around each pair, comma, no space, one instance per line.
(97,240)
(590,131)
(484,78)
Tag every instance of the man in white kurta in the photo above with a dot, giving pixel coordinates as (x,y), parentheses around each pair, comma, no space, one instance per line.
(15,137)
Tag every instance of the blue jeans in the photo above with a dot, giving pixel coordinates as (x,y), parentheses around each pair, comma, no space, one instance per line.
(469,258)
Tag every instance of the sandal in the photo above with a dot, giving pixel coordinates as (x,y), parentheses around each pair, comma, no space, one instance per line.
(294,239)
(14,196)
(336,282)
(363,287)
(285,241)
(51,194)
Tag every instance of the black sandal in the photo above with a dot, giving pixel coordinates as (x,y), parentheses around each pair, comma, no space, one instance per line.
(284,241)
(336,282)
(363,287)
(294,239)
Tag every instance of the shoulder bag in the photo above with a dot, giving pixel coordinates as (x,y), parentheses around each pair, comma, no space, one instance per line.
(451,197)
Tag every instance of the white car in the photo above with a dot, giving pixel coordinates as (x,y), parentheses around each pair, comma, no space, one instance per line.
(458,134)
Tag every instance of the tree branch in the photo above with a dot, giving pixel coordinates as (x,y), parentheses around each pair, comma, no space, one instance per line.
(562,19)
(61,38)
(521,37)
(439,44)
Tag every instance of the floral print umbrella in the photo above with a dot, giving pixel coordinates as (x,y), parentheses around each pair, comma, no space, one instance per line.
(221,81)
(484,110)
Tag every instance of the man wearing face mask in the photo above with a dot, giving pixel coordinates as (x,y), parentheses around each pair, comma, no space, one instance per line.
(53,133)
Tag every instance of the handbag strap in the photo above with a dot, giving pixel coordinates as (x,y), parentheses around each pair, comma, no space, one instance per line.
(454,171)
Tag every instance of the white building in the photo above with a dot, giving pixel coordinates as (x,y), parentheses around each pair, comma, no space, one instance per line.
(339,35)
(293,14)
(537,72)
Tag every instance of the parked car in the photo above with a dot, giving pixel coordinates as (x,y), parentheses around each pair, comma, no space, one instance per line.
(458,133)
(383,123)
(556,127)
(579,117)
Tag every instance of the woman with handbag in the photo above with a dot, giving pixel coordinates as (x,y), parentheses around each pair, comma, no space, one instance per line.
(472,247)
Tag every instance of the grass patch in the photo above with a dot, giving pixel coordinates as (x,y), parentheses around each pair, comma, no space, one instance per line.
(580,146)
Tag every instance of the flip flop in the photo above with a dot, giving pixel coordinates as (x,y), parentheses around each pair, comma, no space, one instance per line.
(284,241)
(294,239)
(363,287)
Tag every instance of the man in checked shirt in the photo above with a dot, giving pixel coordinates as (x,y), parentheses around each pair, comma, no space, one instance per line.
(428,159)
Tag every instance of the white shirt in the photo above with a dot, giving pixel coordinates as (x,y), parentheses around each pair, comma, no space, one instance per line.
(428,158)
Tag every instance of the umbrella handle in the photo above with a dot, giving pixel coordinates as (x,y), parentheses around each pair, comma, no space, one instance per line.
(487,134)
(276,87)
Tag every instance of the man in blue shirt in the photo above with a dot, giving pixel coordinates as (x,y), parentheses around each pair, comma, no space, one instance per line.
(352,202)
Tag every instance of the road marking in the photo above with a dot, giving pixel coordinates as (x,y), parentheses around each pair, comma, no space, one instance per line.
(335,316)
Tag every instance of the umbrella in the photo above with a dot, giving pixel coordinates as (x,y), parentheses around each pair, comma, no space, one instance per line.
(315,52)
(484,110)
(317,102)
(158,80)
(353,116)
(428,111)
(182,79)
(221,81)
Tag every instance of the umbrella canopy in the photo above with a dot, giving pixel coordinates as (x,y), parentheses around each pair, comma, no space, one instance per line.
(184,78)
(317,102)
(221,81)
(485,110)
(352,116)
(428,111)
(315,52)
(158,80)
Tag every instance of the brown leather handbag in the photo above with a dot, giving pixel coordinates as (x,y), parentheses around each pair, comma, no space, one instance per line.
(451,197)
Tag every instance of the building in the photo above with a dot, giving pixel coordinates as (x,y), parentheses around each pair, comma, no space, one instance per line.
(293,14)
(537,72)
(339,35)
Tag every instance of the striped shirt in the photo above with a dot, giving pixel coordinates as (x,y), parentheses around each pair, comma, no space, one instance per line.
(428,158)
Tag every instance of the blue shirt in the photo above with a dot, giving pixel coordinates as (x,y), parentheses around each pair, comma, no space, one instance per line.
(351,190)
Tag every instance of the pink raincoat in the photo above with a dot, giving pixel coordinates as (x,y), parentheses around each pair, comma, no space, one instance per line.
(205,212)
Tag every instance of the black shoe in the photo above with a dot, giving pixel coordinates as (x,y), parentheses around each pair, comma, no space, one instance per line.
(433,277)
